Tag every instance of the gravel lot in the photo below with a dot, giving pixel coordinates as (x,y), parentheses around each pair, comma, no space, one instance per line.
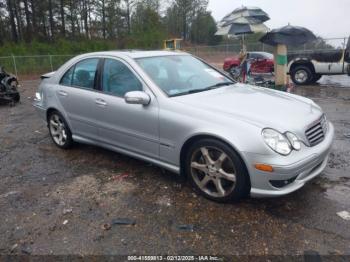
(72,202)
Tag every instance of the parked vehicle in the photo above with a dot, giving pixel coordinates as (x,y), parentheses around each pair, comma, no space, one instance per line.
(307,67)
(261,63)
(8,87)
(178,112)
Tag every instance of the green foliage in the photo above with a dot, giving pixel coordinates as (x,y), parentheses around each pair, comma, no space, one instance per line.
(203,29)
(147,28)
(60,46)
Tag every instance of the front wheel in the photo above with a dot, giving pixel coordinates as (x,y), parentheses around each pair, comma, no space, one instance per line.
(59,130)
(216,171)
(302,75)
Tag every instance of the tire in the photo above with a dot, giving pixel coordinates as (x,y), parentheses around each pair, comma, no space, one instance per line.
(59,130)
(316,78)
(216,171)
(16,97)
(302,75)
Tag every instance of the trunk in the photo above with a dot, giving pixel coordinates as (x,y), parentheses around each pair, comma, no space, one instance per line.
(63,28)
(85,13)
(12,21)
(104,19)
(89,16)
(184,25)
(2,33)
(18,20)
(72,17)
(34,23)
(128,16)
(44,27)
(52,25)
(29,25)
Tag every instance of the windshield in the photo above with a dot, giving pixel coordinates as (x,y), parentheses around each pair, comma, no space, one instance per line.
(179,75)
(268,55)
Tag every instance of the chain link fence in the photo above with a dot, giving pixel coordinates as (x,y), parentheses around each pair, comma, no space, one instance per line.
(217,54)
(32,66)
(28,67)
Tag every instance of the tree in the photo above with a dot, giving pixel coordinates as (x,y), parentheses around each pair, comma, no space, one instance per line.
(203,29)
(51,20)
(187,10)
(63,19)
(12,21)
(147,28)
(28,22)
(130,23)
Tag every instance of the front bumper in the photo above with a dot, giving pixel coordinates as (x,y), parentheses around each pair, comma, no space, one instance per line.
(298,168)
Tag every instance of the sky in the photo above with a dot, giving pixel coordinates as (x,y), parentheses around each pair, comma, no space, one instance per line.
(326,18)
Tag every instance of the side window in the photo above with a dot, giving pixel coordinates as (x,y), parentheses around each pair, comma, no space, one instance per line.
(258,56)
(118,78)
(67,78)
(84,73)
(81,74)
(253,56)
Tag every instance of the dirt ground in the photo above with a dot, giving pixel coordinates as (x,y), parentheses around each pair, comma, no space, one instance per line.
(72,202)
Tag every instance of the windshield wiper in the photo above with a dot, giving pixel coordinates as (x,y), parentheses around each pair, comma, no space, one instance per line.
(210,87)
(221,84)
(204,89)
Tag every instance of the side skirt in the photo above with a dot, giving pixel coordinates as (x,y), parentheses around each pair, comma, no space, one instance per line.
(157,162)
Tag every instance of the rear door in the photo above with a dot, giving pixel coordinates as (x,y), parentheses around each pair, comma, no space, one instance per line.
(75,93)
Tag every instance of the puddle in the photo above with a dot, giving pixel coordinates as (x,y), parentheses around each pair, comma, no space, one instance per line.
(340,194)
(336,81)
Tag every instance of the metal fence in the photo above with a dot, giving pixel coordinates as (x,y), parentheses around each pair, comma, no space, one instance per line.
(219,52)
(31,66)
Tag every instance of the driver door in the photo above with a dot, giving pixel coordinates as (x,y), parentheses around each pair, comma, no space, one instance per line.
(127,126)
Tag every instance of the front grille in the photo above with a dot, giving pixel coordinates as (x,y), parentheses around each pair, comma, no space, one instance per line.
(316,133)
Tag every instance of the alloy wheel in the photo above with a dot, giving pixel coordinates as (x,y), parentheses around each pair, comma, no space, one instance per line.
(213,171)
(58,130)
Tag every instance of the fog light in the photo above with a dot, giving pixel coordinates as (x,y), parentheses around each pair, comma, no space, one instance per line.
(282,183)
(263,167)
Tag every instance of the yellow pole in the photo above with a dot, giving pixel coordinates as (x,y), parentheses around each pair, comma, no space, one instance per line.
(281,66)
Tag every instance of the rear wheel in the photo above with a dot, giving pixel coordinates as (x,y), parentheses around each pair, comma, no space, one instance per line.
(216,171)
(302,75)
(59,131)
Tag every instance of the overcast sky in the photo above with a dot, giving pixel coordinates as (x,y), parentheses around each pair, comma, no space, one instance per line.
(326,18)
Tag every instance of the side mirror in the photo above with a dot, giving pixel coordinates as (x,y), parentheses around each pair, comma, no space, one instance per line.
(137,98)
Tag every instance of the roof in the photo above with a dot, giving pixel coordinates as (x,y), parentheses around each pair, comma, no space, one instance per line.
(138,53)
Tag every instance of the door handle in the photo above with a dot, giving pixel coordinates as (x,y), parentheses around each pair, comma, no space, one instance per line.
(100,102)
(62,93)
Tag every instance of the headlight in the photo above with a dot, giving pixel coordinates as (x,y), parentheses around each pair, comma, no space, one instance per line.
(276,141)
(294,141)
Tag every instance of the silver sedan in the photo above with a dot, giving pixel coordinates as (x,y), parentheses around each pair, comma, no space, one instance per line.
(174,110)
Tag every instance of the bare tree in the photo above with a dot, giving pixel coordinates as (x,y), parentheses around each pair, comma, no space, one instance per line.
(51,20)
(12,21)
(63,21)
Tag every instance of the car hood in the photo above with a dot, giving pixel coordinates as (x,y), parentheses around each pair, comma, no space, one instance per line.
(259,106)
